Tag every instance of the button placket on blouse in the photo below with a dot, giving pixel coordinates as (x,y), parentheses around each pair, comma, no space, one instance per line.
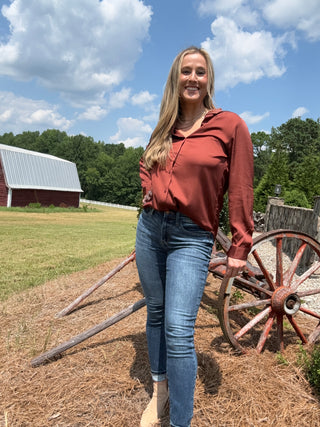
(172,163)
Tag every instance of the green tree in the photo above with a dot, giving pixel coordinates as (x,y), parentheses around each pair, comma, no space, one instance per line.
(27,140)
(262,154)
(291,159)
(7,139)
(277,173)
(94,185)
(307,177)
(122,182)
(298,138)
(114,150)
(50,141)
(83,151)
(297,198)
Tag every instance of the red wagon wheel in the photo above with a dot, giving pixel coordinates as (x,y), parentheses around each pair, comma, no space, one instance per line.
(280,305)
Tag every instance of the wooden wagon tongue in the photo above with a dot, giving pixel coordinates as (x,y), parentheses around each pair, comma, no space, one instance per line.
(97,285)
(52,354)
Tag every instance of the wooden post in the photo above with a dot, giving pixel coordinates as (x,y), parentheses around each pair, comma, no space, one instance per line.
(71,306)
(46,357)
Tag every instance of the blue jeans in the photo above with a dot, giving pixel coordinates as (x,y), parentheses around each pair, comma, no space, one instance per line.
(172,255)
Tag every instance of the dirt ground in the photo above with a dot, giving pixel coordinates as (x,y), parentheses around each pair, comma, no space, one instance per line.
(105,381)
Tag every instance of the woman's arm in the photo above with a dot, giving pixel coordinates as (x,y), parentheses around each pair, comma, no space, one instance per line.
(240,193)
(146,183)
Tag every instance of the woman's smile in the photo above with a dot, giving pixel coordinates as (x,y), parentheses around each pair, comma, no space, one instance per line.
(193,78)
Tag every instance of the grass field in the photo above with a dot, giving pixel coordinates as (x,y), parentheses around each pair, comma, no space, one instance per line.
(39,246)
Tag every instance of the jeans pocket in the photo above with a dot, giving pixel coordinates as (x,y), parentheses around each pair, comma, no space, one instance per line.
(188,226)
(148,210)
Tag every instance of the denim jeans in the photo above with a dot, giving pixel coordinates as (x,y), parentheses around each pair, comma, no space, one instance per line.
(172,256)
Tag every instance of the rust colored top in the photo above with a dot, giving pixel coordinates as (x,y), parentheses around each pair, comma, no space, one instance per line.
(216,158)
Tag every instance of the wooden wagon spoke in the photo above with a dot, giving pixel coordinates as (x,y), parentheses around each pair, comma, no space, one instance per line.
(314,335)
(252,322)
(247,305)
(297,329)
(289,274)
(302,294)
(310,313)
(265,332)
(280,331)
(251,286)
(279,265)
(306,275)
(264,270)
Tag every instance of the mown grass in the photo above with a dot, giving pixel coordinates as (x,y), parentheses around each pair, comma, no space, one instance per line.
(39,245)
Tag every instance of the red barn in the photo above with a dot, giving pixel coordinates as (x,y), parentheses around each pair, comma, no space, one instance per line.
(30,177)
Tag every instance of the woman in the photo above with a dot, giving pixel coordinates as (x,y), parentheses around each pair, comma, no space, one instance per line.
(196,153)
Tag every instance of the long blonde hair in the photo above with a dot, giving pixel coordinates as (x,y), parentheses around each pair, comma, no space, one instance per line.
(161,140)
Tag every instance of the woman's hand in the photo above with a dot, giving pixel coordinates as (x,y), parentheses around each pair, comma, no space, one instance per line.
(147,197)
(235,266)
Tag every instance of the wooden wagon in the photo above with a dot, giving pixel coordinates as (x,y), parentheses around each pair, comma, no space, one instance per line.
(275,299)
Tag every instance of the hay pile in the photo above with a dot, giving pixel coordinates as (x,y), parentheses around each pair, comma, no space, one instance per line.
(105,380)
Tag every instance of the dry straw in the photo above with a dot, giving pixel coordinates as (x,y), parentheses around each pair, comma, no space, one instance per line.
(105,380)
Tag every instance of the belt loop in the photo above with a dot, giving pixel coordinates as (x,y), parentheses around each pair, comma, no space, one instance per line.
(177,218)
(149,209)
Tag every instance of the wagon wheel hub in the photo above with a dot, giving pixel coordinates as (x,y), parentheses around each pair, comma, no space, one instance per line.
(284,301)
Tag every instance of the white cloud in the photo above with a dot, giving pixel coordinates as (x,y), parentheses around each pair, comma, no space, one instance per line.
(286,14)
(143,99)
(95,112)
(153,114)
(218,6)
(18,114)
(132,132)
(81,48)
(119,99)
(251,118)
(239,10)
(297,14)
(243,57)
(299,112)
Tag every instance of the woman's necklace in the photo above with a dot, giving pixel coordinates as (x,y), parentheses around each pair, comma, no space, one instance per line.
(187,124)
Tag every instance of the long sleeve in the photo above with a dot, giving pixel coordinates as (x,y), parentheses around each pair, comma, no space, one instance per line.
(145,178)
(240,192)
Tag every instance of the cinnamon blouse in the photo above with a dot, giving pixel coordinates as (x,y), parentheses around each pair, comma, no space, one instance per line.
(201,167)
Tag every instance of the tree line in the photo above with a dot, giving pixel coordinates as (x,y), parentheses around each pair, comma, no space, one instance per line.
(288,156)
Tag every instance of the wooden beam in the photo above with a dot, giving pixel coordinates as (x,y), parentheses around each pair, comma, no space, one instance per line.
(51,354)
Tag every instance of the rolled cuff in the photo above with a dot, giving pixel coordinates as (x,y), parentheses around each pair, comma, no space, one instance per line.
(158,377)
(239,252)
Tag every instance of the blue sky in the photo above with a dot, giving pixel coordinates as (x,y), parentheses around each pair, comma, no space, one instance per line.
(99,67)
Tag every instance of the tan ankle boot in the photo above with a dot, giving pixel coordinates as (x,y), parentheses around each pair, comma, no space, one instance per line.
(157,406)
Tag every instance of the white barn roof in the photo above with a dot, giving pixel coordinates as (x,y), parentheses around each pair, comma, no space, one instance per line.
(25,169)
